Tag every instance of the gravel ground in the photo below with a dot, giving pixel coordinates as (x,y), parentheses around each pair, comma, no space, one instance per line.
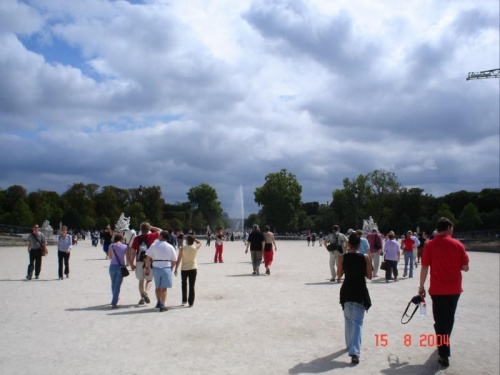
(287,323)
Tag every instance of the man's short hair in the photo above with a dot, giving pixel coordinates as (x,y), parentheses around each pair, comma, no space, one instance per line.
(255,227)
(190,239)
(443,224)
(145,227)
(335,227)
(165,234)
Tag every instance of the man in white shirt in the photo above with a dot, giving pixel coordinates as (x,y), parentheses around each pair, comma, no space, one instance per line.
(164,257)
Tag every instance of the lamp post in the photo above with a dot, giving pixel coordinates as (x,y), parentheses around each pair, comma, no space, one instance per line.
(139,193)
(356,195)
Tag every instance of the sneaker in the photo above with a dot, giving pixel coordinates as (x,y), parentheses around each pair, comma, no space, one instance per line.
(163,307)
(158,305)
(332,280)
(354,359)
(444,361)
(142,302)
(37,277)
(61,278)
(338,280)
(253,273)
(404,274)
(67,276)
(183,303)
(145,297)
(190,305)
(258,272)
(28,277)
(268,271)
(114,306)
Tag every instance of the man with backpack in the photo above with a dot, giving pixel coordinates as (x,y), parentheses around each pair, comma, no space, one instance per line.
(140,245)
(334,243)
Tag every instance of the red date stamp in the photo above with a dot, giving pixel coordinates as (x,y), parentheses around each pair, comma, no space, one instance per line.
(425,340)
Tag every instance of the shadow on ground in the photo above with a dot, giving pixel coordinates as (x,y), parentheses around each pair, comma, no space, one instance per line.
(322,364)
(430,367)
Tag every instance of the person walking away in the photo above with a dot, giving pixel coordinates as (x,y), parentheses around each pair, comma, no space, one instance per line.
(334,243)
(391,255)
(209,237)
(106,236)
(446,258)
(36,242)
(187,257)
(354,296)
(256,242)
(140,245)
(219,245)
(163,256)
(415,247)
(268,248)
(375,240)
(116,253)
(313,238)
(422,238)
(407,245)
(64,246)
(365,245)
(308,237)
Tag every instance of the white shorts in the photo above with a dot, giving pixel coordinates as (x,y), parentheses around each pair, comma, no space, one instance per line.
(139,272)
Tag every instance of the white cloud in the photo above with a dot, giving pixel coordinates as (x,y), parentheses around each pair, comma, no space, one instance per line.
(223,92)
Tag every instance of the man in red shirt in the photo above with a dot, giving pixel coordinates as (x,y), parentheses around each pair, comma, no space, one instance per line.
(140,245)
(447,259)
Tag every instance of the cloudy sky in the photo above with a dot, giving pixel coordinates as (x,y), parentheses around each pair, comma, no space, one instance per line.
(178,93)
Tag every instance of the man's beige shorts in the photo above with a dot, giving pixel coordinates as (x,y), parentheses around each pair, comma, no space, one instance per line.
(139,272)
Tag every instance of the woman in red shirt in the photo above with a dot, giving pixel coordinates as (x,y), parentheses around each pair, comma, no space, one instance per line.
(407,246)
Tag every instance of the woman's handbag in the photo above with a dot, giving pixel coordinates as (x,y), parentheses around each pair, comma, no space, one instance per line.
(383,265)
(123,269)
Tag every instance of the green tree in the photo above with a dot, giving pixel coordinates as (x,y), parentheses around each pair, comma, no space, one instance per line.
(204,199)
(444,211)
(79,204)
(21,214)
(469,218)
(280,198)
(251,220)
(198,222)
(111,202)
(13,194)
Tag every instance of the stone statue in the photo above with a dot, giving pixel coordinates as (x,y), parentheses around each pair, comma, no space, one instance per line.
(122,226)
(369,225)
(46,229)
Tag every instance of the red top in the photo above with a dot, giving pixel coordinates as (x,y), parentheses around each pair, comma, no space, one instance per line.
(152,237)
(445,256)
(408,244)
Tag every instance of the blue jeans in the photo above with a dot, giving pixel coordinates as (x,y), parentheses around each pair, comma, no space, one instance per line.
(409,260)
(354,313)
(115,273)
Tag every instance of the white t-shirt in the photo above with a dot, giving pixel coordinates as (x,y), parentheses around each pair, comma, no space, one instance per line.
(162,254)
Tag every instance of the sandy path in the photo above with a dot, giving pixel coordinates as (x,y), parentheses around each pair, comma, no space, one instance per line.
(287,323)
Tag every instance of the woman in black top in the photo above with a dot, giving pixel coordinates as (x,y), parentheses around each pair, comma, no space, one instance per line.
(354,295)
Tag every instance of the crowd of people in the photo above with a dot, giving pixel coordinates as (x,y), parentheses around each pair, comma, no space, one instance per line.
(157,254)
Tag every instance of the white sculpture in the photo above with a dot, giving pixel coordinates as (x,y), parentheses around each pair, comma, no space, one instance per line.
(369,225)
(122,226)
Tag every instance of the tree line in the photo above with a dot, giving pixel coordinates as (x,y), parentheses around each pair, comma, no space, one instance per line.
(378,194)
(87,206)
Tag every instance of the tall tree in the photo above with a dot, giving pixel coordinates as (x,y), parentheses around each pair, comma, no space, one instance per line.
(79,205)
(204,199)
(469,218)
(280,198)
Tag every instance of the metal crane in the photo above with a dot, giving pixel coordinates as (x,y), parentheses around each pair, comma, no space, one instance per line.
(494,73)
